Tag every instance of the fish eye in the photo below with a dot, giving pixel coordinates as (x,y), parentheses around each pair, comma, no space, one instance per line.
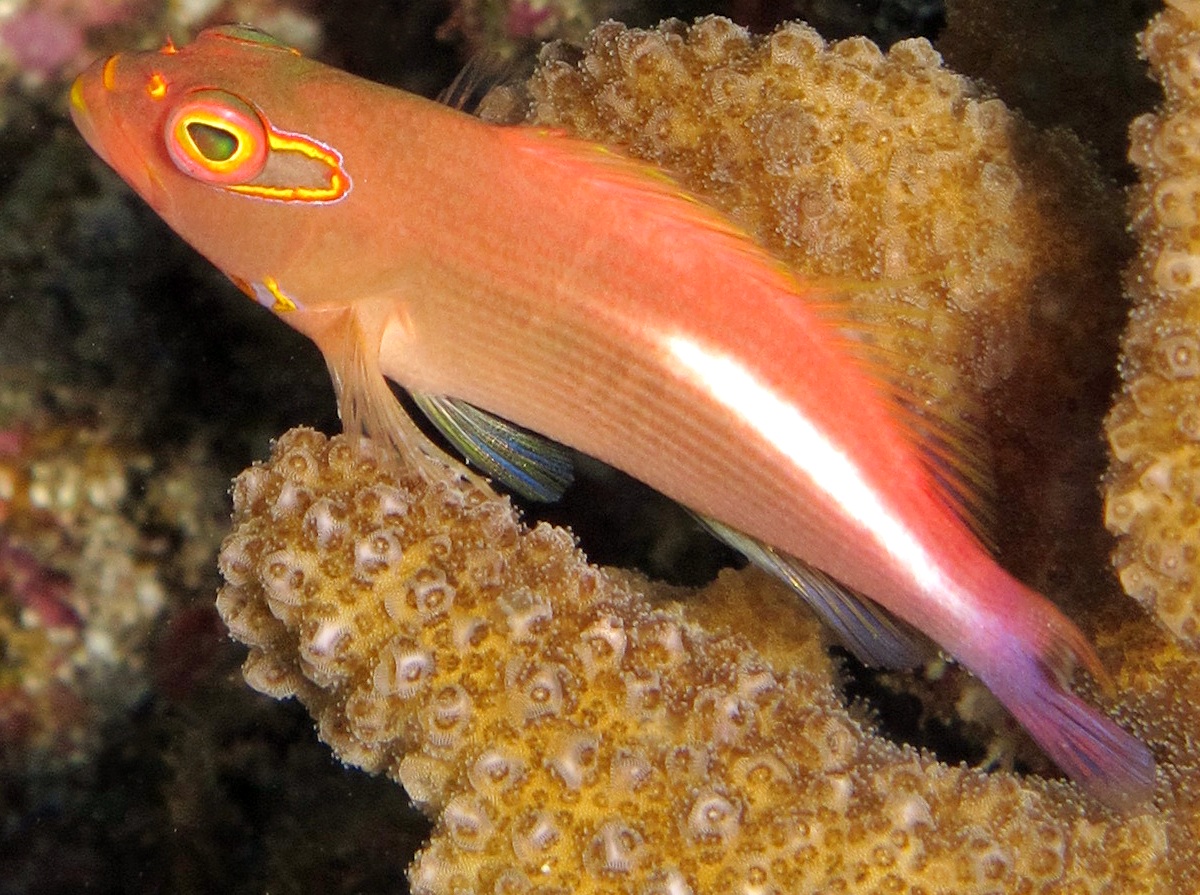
(217,138)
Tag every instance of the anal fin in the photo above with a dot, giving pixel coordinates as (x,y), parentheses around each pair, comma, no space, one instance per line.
(874,637)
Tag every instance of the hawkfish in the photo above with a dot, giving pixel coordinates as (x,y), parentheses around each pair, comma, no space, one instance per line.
(532,290)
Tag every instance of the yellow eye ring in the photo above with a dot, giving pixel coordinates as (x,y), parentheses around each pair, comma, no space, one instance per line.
(217,138)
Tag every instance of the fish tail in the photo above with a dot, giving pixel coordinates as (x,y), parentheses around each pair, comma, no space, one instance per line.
(1030,661)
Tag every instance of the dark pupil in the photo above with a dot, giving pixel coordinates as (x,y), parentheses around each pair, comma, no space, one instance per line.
(214,144)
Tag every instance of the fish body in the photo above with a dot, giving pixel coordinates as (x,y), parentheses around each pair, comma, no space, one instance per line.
(585,296)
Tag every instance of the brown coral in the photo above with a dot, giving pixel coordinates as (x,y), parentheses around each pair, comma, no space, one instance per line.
(1153,488)
(570,735)
(1071,63)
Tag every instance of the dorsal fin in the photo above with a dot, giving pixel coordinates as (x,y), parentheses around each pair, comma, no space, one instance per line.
(939,418)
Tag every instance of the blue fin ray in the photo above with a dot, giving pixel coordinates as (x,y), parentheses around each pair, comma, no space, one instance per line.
(525,463)
(866,629)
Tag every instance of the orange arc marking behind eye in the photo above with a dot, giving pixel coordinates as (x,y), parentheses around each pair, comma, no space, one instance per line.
(282,141)
(108,74)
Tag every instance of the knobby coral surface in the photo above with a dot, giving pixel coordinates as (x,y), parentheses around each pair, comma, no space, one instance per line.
(1153,488)
(571,734)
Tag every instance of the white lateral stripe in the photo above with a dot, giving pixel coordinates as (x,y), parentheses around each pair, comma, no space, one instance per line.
(786,429)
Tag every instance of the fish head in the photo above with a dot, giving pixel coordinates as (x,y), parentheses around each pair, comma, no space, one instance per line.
(212,137)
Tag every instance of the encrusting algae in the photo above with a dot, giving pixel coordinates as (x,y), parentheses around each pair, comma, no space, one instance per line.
(571,728)
(570,734)
(1153,487)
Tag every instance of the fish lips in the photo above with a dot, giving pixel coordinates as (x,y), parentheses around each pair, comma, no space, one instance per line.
(92,111)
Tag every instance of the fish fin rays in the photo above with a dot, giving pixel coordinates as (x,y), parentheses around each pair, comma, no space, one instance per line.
(524,462)
(534,467)
(659,194)
(1032,660)
(874,636)
(939,419)
(366,404)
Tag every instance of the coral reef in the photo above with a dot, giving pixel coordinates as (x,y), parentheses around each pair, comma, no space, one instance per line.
(569,733)
(81,580)
(1153,487)
(208,786)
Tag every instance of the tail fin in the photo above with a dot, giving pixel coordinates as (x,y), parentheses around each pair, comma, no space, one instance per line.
(1028,669)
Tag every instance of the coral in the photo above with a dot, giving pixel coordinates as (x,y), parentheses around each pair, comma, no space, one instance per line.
(1072,63)
(76,606)
(956,233)
(1153,486)
(569,732)
(504,29)
(247,803)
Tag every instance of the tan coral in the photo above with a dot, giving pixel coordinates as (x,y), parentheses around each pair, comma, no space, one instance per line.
(1153,487)
(1072,63)
(569,735)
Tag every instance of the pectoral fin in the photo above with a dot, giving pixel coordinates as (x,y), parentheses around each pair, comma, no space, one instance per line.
(366,404)
(531,466)
(866,629)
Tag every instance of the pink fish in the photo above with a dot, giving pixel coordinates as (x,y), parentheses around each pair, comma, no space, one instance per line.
(518,273)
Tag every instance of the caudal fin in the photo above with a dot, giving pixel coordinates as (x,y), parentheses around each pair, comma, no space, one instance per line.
(1028,670)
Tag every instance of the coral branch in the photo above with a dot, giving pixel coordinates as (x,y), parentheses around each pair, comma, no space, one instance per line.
(1153,487)
(569,733)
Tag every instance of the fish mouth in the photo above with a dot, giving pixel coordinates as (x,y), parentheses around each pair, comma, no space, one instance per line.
(82,116)
(104,131)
